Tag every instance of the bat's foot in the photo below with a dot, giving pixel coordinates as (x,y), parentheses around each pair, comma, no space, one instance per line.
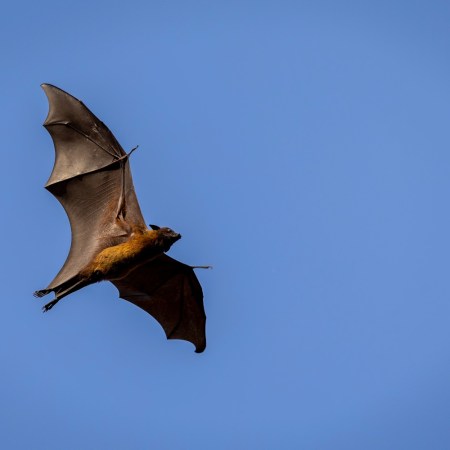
(50,305)
(41,293)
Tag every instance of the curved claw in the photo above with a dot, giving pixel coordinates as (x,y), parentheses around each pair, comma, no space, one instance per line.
(41,293)
(50,305)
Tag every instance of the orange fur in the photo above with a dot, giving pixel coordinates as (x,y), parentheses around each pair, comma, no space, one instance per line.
(115,262)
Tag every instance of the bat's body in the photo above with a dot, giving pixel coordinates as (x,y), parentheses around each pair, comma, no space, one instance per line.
(114,263)
(110,241)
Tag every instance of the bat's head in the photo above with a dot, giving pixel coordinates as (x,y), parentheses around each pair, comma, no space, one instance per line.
(167,235)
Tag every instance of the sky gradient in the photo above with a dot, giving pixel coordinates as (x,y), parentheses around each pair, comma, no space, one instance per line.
(302,149)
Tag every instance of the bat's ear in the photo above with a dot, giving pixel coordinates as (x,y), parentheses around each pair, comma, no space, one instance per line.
(154,227)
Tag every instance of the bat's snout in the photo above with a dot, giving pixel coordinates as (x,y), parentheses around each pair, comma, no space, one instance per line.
(173,236)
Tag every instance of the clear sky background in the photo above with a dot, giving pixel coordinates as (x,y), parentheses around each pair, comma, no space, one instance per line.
(303,149)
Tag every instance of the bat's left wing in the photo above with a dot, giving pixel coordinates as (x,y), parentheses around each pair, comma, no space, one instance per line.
(169,291)
(92,180)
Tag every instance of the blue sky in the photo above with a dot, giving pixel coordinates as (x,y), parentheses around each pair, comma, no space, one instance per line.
(302,148)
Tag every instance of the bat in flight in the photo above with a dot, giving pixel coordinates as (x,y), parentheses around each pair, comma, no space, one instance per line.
(92,180)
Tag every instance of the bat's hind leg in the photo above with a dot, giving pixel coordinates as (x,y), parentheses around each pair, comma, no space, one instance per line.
(50,305)
(62,290)
(42,292)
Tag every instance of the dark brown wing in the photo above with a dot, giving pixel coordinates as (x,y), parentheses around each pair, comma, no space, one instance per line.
(92,180)
(169,291)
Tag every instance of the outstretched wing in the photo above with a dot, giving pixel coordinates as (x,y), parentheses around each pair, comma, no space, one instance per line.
(92,180)
(169,291)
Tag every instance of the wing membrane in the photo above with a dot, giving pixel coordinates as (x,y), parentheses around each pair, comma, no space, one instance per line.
(83,143)
(92,180)
(170,292)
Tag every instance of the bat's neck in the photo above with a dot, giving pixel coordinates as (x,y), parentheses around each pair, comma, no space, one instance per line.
(148,242)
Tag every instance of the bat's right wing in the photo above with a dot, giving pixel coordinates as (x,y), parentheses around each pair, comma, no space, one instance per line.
(169,291)
(92,180)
